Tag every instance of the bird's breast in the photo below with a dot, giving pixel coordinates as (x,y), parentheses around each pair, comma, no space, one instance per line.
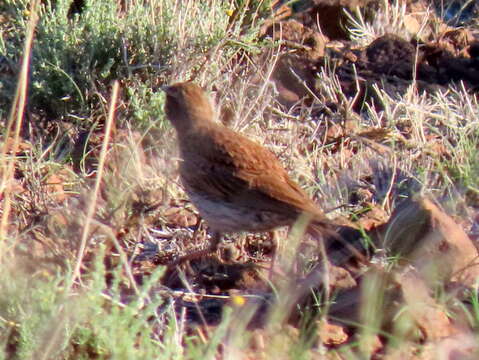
(224,216)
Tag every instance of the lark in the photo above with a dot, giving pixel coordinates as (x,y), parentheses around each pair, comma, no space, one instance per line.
(236,184)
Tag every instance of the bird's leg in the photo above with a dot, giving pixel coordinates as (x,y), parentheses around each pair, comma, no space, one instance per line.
(275,250)
(226,252)
(215,241)
(196,254)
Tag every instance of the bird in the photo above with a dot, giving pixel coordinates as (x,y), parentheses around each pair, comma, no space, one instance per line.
(236,184)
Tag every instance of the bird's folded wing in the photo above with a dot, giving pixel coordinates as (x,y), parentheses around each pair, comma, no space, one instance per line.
(243,172)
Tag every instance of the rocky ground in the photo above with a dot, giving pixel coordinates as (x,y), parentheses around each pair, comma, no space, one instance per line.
(415,281)
(434,248)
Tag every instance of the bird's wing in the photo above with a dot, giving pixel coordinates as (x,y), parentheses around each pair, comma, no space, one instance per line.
(208,169)
(240,170)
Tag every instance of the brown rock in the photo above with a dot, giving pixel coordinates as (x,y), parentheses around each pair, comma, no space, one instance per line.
(55,180)
(459,347)
(376,216)
(295,36)
(417,11)
(181,217)
(432,242)
(293,76)
(457,40)
(412,24)
(54,186)
(369,344)
(392,55)
(340,278)
(420,309)
(330,15)
(331,334)
(20,147)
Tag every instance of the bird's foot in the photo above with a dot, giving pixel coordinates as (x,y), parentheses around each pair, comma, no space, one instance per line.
(192,255)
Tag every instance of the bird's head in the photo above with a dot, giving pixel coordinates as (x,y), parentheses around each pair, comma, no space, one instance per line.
(187,105)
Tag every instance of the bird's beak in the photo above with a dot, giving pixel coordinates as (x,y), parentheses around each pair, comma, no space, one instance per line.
(165,88)
(169,90)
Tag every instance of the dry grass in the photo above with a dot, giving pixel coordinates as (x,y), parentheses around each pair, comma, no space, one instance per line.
(88,182)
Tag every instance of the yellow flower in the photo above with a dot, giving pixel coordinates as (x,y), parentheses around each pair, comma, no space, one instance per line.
(238,300)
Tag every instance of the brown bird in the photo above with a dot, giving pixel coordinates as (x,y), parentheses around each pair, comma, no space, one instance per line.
(236,184)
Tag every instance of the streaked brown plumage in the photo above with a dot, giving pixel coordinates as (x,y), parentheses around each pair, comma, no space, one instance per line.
(236,184)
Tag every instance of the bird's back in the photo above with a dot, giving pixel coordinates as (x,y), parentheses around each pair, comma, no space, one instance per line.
(226,165)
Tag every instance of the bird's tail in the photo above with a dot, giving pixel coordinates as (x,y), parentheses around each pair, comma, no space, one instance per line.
(341,243)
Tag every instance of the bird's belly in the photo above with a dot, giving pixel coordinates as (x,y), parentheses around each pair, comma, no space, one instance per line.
(226,217)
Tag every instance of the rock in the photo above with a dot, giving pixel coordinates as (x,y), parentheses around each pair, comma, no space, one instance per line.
(369,344)
(331,17)
(293,76)
(430,240)
(55,187)
(331,334)
(459,347)
(412,25)
(340,278)
(295,36)
(179,216)
(420,310)
(376,216)
(391,55)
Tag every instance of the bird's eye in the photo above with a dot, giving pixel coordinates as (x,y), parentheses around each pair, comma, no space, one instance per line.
(171,90)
